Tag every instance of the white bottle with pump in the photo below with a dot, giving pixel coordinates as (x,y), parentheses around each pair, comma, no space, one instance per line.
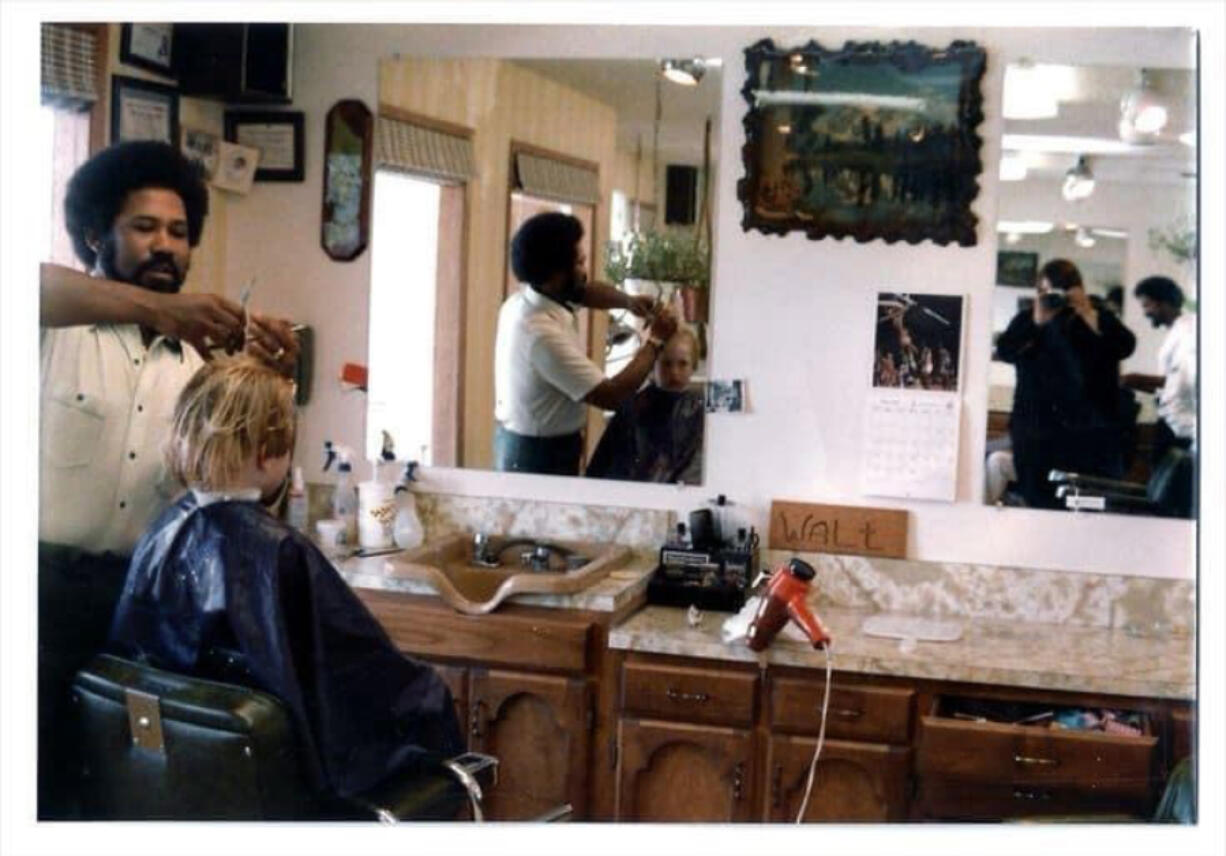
(297,506)
(344,496)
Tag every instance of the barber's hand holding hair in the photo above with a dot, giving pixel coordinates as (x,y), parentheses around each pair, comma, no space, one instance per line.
(204,321)
(272,341)
(664,325)
(642,305)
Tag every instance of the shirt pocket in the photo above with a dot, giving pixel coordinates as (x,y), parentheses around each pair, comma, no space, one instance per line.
(73,425)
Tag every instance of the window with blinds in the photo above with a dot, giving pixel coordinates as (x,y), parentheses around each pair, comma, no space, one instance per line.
(68,70)
(547,178)
(416,149)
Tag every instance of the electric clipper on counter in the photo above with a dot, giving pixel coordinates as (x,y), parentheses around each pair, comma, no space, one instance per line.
(785,598)
(701,567)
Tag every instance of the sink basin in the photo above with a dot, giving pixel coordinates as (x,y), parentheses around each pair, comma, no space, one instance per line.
(448,567)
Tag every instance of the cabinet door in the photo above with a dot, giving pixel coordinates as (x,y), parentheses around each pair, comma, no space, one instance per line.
(677,772)
(456,679)
(853,782)
(537,726)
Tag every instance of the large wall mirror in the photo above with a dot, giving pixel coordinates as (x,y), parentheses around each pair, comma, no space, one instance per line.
(468,149)
(1092,402)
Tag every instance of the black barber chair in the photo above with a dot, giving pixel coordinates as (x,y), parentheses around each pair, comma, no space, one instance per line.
(1168,493)
(161,746)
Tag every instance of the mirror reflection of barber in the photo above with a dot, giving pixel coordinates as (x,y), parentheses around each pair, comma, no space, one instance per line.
(543,380)
(1162,302)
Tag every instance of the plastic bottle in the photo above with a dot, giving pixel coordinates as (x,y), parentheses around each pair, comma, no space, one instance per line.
(344,496)
(296,508)
(407,529)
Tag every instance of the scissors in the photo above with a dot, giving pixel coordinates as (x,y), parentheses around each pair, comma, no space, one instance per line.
(243,297)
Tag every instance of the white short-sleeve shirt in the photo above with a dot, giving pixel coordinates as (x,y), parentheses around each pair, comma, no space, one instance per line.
(541,374)
(105,408)
(1177,359)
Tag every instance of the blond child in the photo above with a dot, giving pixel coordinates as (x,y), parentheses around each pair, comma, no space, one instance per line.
(220,588)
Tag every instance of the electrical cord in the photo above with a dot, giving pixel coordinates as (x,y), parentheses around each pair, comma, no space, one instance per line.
(821,738)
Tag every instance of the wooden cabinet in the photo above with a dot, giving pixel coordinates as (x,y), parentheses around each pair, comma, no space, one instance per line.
(854,782)
(532,686)
(538,728)
(671,771)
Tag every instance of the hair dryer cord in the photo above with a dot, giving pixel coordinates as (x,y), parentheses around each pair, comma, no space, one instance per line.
(821,738)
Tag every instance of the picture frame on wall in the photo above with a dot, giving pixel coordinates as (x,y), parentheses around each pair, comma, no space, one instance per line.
(143,110)
(870,140)
(202,147)
(1017,268)
(277,134)
(148,46)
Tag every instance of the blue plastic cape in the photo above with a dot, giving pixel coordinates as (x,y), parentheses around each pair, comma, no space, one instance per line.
(228,592)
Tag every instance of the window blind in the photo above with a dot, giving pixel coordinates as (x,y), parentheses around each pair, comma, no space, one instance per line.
(554,179)
(407,147)
(68,80)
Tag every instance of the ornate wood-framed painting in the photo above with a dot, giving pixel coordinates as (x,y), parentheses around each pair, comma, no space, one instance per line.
(871,140)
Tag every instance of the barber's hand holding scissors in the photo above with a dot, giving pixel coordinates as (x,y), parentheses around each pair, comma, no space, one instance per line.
(270,340)
(643,305)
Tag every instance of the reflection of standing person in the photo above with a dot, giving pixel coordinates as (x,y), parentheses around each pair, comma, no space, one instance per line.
(1066,400)
(1162,302)
(657,435)
(542,377)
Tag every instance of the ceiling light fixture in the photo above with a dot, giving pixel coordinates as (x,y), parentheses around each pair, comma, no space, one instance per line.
(1078,181)
(1143,112)
(1025,227)
(1083,238)
(687,72)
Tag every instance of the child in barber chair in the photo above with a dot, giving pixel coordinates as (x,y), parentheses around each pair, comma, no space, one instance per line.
(219,588)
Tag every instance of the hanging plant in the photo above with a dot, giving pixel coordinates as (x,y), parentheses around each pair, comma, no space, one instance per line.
(660,256)
(1178,240)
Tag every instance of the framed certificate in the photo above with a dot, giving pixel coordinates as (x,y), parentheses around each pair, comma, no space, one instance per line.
(142,110)
(147,46)
(278,136)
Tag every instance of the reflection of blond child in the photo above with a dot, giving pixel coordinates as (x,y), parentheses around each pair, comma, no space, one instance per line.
(221,589)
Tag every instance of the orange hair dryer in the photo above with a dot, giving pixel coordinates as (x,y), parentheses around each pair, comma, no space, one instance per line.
(784,598)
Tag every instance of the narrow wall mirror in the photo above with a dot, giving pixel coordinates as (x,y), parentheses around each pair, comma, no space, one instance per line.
(1091,402)
(466,150)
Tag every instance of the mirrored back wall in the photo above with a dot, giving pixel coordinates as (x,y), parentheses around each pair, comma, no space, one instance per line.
(481,145)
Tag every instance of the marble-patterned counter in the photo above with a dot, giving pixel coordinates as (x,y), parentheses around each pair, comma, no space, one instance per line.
(991,651)
(615,592)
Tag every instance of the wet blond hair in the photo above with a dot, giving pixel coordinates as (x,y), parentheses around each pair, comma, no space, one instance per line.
(232,407)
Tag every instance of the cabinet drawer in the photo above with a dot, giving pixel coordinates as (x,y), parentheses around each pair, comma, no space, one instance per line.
(1025,756)
(695,695)
(954,799)
(868,713)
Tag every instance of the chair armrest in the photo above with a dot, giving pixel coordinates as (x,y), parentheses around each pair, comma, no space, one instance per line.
(437,794)
(1097,484)
(1109,502)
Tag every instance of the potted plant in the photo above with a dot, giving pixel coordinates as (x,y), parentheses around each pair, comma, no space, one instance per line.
(666,264)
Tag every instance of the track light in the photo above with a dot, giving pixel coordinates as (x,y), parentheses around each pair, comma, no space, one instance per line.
(1078,181)
(687,72)
(1143,112)
(1083,238)
(1028,92)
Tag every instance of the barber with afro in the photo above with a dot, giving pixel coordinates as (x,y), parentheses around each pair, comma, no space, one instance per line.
(117,347)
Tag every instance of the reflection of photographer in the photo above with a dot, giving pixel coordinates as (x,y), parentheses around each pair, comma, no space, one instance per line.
(1066,403)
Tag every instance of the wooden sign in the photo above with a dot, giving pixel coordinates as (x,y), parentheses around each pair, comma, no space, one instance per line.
(849,529)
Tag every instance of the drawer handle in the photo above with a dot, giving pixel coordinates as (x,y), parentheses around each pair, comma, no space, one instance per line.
(677,695)
(847,713)
(1031,761)
(1031,795)
(738,781)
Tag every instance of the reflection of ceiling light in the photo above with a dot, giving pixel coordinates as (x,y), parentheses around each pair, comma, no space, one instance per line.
(1012,168)
(784,128)
(1078,181)
(687,72)
(1188,138)
(1143,112)
(1083,238)
(1012,237)
(1024,227)
(1117,234)
(768,98)
(1028,94)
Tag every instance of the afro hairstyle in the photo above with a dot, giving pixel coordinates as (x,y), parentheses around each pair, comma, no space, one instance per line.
(544,245)
(97,190)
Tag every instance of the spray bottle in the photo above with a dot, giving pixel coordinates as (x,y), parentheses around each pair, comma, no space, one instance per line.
(344,499)
(296,508)
(408,529)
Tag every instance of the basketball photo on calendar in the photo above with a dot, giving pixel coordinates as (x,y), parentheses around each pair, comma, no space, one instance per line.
(918,341)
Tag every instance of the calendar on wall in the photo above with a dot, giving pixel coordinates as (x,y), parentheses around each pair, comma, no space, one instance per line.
(911,444)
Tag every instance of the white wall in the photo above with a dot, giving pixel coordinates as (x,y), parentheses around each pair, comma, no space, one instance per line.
(791,315)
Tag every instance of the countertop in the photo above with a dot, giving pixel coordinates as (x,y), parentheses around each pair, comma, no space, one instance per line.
(1021,654)
(1065,657)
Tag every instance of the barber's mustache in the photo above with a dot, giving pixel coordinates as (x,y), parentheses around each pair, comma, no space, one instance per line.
(159,263)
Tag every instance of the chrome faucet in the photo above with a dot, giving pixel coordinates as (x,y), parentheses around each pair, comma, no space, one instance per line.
(483,553)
